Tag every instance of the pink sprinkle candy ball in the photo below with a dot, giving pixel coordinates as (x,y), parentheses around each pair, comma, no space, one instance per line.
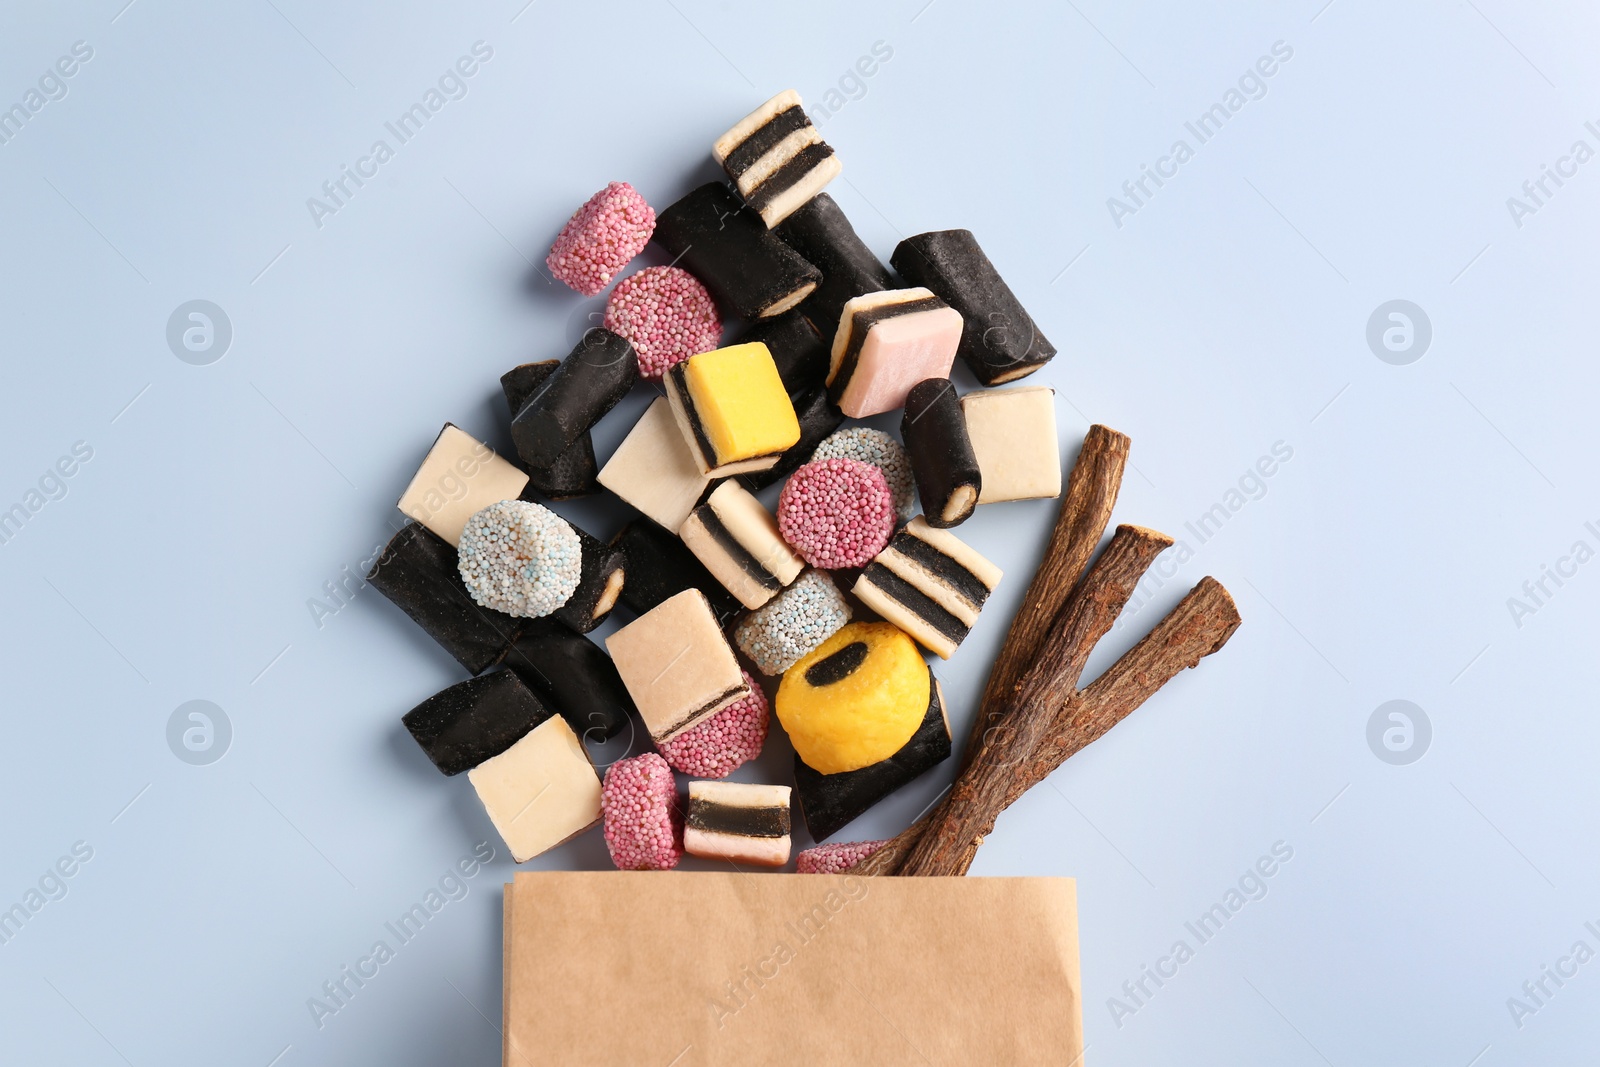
(644,831)
(721,744)
(668,316)
(836,512)
(835,859)
(602,238)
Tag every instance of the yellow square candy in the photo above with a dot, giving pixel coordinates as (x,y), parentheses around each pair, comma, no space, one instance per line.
(740,402)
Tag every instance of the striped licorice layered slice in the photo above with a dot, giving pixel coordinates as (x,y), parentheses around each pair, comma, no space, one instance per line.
(776,158)
(738,821)
(886,343)
(738,541)
(929,583)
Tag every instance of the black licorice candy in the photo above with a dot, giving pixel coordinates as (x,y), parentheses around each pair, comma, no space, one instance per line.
(821,233)
(800,352)
(475,720)
(1000,342)
(828,802)
(575,676)
(418,572)
(573,472)
(942,460)
(715,237)
(601,579)
(818,418)
(588,383)
(660,566)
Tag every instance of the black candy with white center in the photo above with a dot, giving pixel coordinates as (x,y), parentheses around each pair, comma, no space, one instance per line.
(588,383)
(1000,342)
(601,578)
(711,234)
(942,460)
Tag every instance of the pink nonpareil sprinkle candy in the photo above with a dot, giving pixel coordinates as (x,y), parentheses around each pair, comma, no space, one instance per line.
(836,512)
(837,858)
(667,315)
(603,236)
(644,830)
(721,744)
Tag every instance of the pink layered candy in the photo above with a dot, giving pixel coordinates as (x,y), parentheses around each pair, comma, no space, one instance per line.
(836,512)
(639,801)
(886,343)
(835,859)
(666,314)
(720,745)
(603,236)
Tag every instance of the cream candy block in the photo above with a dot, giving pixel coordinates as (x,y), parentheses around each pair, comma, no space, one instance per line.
(541,791)
(886,343)
(676,664)
(654,470)
(459,477)
(1013,433)
(738,821)
(738,541)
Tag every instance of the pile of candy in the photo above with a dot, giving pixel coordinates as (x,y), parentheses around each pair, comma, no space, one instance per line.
(708,572)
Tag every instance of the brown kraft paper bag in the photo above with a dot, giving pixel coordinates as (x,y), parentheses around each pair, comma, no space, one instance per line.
(677,969)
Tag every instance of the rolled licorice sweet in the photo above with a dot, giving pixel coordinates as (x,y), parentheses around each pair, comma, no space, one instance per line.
(828,802)
(738,821)
(798,350)
(929,583)
(661,566)
(714,236)
(475,720)
(601,579)
(419,573)
(818,418)
(821,233)
(573,472)
(946,468)
(595,375)
(776,157)
(574,675)
(1000,342)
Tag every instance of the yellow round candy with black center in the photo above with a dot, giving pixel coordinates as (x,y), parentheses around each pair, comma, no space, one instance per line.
(856,699)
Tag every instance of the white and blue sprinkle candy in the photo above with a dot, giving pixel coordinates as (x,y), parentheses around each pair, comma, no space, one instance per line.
(791,624)
(520,558)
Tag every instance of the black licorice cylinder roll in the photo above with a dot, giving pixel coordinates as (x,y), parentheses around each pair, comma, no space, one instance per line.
(660,566)
(418,571)
(1000,342)
(475,720)
(601,579)
(942,460)
(818,418)
(714,236)
(575,675)
(587,384)
(821,233)
(797,348)
(573,472)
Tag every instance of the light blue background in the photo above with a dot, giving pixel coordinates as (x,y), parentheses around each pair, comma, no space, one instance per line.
(1226,315)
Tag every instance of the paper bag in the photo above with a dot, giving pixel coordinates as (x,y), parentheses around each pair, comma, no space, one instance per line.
(677,969)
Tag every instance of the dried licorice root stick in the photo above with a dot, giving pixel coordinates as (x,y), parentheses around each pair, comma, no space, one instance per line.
(1029,713)
(1201,624)
(1085,509)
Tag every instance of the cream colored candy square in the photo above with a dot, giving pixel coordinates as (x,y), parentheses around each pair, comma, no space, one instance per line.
(655,470)
(677,665)
(541,791)
(459,477)
(1013,433)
